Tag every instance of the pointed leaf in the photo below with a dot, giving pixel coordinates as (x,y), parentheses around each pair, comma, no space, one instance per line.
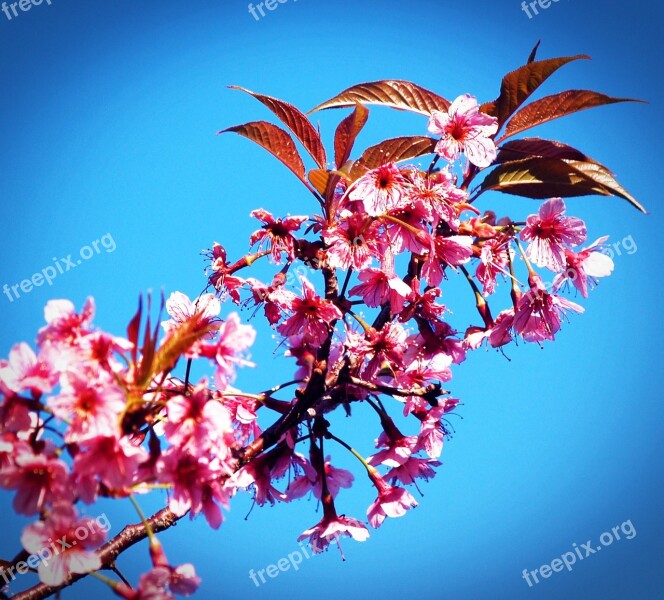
(533,53)
(547,177)
(133,329)
(319,178)
(296,121)
(348,130)
(276,141)
(398,94)
(530,147)
(518,85)
(392,150)
(602,176)
(556,106)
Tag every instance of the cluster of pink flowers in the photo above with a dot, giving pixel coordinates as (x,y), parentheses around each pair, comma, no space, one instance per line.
(90,415)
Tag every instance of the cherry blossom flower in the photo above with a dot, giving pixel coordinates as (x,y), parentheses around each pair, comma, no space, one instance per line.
(181,309)
(547,233)
(465,129)
(230,350)
(243,413)
(311,316)
(384,348)
(258,474)
(585,267)
(275,298)
(26,371)
(39,478)
(538,313)
(414,468)
(196,421)
(379,287)
(62,530)
(396,450)
(222,277)
(335,479)
(493,261)
(352,242)
(93,402)
(444,251)
(196,485)
(379,189)
(276,233)
(64,325)
(391,502)
(112,461)
(330,528)
(439,197)
(407,227)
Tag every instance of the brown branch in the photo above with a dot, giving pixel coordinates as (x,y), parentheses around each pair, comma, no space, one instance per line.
(130,535)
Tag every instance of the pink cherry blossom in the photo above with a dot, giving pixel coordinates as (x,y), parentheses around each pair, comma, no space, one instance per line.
(396,450)
(379,189)
(493,262)
(275,298)
(330,528)
(222,277)
(352,242)
(73,539)
(335,479)
(26,371)
(414,468)
(39,479)
(444,251)
(230,350)
(112,461)
(93,402)
(584,267)
(549,231)
(465,129)
(378,287)
(439,196)
(538,313)
(197,420)
(407,227)
(181,309)
(277,234)
(64,325)
(196,484)
(311,316)
(391,502)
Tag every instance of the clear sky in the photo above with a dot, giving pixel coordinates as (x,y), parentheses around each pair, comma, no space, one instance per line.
(108,114)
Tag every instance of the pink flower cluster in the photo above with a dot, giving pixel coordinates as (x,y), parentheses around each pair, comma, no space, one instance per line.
(90,415)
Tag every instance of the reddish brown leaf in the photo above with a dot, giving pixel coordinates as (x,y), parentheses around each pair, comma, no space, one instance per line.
(529,147)
(276,141)
(296,121)
(518,85)
(403,95)
(556,106)
(392,150)
(348,130)
(533,53)
(319,178)
(547,177)
(602,176)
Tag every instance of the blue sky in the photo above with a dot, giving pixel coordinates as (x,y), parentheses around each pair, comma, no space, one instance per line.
(108,117)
